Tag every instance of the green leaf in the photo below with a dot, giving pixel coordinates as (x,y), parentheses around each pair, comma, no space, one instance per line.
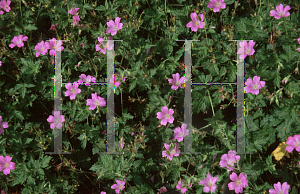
(30,27)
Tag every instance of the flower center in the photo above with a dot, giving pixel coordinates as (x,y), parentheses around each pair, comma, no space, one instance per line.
(255,86)
(74,91)
(218,4)
(248,51)
(97,103)
(116,28)
(167,116)
(231,162)
(297,144)
(209,184)
(19,42)
(172,152)
(57,120)
(182,134)
(197,23)
(120,187)
(238,182)
(177,84)
(6,165)
(42,49)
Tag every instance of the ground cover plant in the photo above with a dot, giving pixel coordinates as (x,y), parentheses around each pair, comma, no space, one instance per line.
(149,94)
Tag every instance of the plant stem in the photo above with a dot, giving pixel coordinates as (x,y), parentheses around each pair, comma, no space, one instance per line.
(212,108)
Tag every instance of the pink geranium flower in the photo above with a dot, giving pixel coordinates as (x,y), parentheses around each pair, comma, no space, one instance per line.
(103,192)
(56,120)
(254,86)
(72,91)
(18,41)
(228,160)
(246,49)
(209,183)
(176,81)
(181,132)
(54,46)
(53,27)
(299,40)
(42,48)
(165,115)
(169,154)
(73,11)
(162,189)
(119,186)
(284,189)
(216,5)
(2,192)
(5,5)
(107,46)
(114,26)
(280,11)
(180,186)
(6,165)
(82,44)
(86,79)
(76,19)
(3,125)
(113,80)
(95,101)
(293,143)
(239,182)
(0,63)
(195,23)
(121,143)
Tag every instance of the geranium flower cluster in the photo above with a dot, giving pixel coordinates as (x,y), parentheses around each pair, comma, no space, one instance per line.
(76,17)
(6,165)
(43,47)
(4,4)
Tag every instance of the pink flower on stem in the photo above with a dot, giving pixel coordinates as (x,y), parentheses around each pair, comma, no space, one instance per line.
(181,132)
(72,91)
(119,186)
(298,49)
(0,63)
(86,79)
(107,46)
(54,46)
(284,189)
(216,5)
(18,41)
(6,165)
(82,44)
(180,186)
(293,143)
(42,48)
(280,11)
(76,19)
(246,49)
(114,26)
(103,192)
(116,83)
(57,120)
(121,143)
(5,5)
(95,101)
(152,179)
(2,192)
(165,115)
(239,182)
(254,86)
(176,81)
(3,125)
(53,27)
(209,183)
(174,152)
(163,189)
(73,11)
(299,40)
(195,23)
(228,160)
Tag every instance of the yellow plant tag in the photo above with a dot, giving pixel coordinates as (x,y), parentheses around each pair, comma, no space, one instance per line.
(280,151)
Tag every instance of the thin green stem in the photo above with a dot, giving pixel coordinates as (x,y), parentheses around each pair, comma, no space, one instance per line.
(212,108)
